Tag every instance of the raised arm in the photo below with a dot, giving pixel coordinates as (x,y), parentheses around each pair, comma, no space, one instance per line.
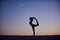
(36,21)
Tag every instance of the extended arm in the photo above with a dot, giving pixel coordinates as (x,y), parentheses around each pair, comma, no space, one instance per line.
(36,21)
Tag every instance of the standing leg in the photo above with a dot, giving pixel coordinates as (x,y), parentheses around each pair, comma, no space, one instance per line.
(33,28)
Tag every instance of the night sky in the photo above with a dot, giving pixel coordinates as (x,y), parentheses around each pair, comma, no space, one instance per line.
(16,14)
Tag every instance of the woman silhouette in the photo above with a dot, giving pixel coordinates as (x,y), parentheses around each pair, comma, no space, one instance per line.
(33,25)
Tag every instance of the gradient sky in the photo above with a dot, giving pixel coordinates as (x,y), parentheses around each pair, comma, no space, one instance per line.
(16,14)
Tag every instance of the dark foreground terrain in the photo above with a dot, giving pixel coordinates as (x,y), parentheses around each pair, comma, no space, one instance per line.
(51,37)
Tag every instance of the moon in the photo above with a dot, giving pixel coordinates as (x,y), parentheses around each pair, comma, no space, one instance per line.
(21,4)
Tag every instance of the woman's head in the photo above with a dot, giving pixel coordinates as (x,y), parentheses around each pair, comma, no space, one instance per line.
(31,18)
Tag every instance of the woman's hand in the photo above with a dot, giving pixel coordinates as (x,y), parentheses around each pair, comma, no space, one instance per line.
(34,18)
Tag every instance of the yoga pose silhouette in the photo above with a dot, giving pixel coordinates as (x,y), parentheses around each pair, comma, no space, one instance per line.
(33,25)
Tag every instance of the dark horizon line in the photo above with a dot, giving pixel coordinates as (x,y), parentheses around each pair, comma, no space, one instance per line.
(29,35)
